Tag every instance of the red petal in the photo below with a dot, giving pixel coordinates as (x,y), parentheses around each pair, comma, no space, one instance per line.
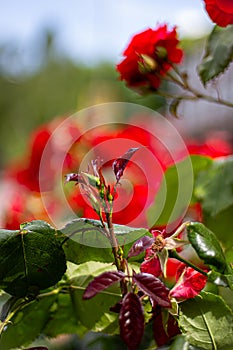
(220,11)
(189,284)
(151,266)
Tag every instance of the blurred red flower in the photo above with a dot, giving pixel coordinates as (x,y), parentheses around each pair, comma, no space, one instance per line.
(220,11)
(149,56)
(189,283)
(137,190)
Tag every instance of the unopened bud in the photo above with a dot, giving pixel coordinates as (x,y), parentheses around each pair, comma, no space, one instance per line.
(161,52)
(147,64)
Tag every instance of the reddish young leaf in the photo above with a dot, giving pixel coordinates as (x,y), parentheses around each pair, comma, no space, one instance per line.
(120,163)
(102,282)
(140,246)
(72,177)
(131,320)
(153,287)
(163,336)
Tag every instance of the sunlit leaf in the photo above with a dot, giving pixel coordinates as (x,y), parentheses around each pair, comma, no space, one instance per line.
(90,312)
(88,241)
(176,190)
(207,322)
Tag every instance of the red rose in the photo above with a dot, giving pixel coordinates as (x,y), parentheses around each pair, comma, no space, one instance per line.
(189,283)
(149,56)
(220,11)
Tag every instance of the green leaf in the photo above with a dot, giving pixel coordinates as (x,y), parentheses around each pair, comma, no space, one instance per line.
(88,242)
(63,319)
(218,55)
(207,322)
(221,279)
(175,193)
(30,258)
(92,312)
(214,187)
(207,247)
(27,324)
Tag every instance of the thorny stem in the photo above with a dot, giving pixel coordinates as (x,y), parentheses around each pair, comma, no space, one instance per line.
(182,82)
(173,254)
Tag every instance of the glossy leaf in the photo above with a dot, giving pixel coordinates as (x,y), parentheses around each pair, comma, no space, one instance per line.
(208,185)
(31,259)
(207,246)
(120,163)
(27,324)
(218,55)
(221,279)
(131,321)
(207,322)
(153,287)
(88,243)
(101,282)
(175,192)
(140,246)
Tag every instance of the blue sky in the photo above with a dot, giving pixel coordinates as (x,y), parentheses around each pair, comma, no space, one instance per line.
(92,30)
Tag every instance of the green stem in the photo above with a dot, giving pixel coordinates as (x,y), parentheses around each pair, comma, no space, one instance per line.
(117,252)
(11,314)
(173,254)
(183,83)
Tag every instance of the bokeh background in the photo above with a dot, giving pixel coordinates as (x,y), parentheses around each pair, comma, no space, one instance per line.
(59,57)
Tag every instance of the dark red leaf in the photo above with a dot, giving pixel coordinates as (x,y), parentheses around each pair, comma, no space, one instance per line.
(163,336)
(72,177)
(131,320)
(120,163)
(102,282)
(153,287)
(117,307)
(140,246)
